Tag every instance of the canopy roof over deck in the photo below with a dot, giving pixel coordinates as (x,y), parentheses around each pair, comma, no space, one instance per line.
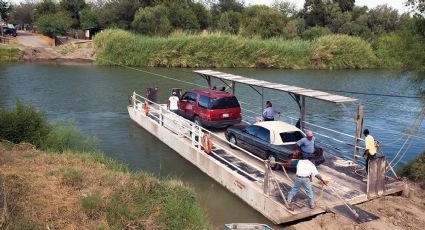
(316,94)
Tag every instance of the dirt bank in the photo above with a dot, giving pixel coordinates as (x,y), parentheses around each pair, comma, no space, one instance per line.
(38,50)
(45,190)
(395,212)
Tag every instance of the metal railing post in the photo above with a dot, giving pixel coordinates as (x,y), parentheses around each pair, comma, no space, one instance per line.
(199,137)
(266,177)
(160,115)
(134,99)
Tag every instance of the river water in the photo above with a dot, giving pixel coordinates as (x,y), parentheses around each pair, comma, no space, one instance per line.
(95,97)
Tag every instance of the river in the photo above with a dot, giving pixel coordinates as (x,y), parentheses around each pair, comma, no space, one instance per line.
(95,97)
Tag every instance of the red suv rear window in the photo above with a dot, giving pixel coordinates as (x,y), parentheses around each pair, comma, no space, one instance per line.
(223,103)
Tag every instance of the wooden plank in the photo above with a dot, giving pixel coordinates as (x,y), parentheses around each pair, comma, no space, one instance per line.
(372,179)
(380,184)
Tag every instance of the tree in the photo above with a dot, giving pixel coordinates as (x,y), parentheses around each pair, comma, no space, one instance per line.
(383,19)
(152,21)
(229,22)
(118,13)
(315,32)
(182,17)
(5,9)
(294,28)
(22,13)
(43,8)
(54,24)
(202,14)
(288,9)
(418,6)
(73,7)
(88,18)
(345,5)
(262,21)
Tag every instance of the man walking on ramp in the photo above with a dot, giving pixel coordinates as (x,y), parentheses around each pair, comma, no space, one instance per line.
(305,171)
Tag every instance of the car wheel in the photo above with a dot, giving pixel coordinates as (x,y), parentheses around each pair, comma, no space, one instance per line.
(197,121)
(232,139)
(272,158)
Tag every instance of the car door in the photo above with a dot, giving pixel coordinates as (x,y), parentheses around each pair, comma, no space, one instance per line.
(186,104)
(261,142)
(246,137)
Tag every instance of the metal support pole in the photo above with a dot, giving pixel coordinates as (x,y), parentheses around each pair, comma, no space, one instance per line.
(262,100)
(302,112)
(209,81)
(134,99)
(233,87)
(359,127)
(160,115)
(199,137)
(266,178)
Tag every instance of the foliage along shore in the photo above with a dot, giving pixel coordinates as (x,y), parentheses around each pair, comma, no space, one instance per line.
(119,47)
(60,180)
(10,54)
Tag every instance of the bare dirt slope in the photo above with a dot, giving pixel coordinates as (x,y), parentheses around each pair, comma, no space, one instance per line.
(36,49)
(395,212)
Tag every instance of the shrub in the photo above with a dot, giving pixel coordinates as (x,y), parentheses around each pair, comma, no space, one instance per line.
(118,47)
(92,205)
(152,21)
(10,54)
(71,177)
(415,170)
(54,24)
(315,32)
(341,52)
(24,124)
(66,136)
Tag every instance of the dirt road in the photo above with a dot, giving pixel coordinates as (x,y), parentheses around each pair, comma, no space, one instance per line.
(31,40)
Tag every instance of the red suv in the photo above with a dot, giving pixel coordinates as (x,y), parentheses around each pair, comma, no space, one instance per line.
(211,108)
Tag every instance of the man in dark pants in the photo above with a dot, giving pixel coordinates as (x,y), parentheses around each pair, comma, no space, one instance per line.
(370,148)
(269,112)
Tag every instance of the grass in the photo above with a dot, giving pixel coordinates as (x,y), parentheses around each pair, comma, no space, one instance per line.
(415,170)
(91,191)
(119,47)
(10,53)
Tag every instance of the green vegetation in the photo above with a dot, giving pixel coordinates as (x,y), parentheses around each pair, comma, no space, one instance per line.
(9,54)
(415,170)
(88,188)
(118,47)
(396,39)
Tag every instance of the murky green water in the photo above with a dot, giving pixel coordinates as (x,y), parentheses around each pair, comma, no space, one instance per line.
(96,98)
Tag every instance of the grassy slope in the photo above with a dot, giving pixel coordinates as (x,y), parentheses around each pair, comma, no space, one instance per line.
(118,47)
(10,54)
(86,191)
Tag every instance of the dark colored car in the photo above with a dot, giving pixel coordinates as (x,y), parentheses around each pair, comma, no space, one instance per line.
(210,108)
(10,31)
(272,140)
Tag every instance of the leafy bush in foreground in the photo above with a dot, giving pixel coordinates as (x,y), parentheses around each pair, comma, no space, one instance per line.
(415,170)
(24,124)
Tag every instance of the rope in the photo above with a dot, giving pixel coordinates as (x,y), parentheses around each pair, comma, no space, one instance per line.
(407,139)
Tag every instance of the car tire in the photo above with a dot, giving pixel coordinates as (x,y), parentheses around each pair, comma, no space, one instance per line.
(272,158)
(233,140)
(197,120)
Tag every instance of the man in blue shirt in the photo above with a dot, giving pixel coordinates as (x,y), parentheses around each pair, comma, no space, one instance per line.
(269,112)
(306,145)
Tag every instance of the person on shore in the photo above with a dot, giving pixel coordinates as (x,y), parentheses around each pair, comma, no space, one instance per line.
(370,148)
(173,101)
(305,172)
(269,112)
(306,145)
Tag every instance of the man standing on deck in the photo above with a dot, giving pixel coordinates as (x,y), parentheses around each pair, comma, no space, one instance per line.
(269,112)
(172,103)
(306,145)
(305,172)
(370,148)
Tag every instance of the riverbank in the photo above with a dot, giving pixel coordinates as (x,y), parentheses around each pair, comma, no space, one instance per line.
(89,191)
(10,53)
(119,47)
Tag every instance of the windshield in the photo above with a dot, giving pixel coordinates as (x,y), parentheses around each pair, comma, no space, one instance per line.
(224,103)
(291,136)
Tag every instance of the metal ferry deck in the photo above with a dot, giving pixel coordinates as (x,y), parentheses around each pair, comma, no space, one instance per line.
(249,177)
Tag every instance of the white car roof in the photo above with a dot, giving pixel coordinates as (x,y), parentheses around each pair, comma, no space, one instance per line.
(277,127)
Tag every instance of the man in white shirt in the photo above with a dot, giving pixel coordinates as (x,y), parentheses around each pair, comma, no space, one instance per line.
(370,147)
(269,112)
(305,171)
(172,104)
